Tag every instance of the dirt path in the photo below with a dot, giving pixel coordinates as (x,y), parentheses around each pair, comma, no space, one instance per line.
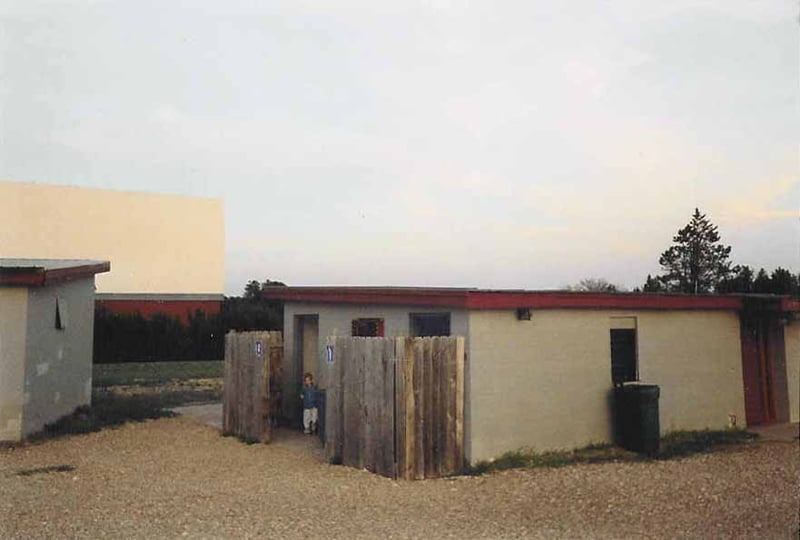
(175,477)
(209,414)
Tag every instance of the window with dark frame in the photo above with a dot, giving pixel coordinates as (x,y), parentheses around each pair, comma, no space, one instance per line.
(61,314)
(429,324)
(623,356)
(367,328)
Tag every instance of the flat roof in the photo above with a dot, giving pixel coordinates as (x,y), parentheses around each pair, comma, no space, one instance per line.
(39,272)
(471,298)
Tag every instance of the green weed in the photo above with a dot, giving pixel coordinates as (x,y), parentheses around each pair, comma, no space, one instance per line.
(673,445)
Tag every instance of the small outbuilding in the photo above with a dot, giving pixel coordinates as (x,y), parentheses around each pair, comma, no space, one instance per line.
(541,366)
(46,337)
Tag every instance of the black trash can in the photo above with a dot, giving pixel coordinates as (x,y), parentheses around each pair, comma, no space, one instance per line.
(636,417)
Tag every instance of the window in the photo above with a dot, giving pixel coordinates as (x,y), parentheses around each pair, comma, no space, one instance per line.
(368,327)
(430,324)
(623,355)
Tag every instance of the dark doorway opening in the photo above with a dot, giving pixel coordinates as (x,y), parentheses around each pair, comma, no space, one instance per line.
(623,355)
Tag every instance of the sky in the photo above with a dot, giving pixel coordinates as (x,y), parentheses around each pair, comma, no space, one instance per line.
(491,144)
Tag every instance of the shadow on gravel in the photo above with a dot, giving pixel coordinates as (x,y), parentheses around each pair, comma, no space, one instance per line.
(45,470)
(107,410)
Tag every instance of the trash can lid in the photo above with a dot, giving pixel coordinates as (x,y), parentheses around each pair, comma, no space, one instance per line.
(641,388)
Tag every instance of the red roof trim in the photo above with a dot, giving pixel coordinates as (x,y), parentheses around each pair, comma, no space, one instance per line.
(487,299)
(790,304)
(22,276)
(37,276)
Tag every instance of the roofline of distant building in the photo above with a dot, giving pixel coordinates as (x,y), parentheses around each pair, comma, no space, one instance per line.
(515,299)
(159,297)
(35,273)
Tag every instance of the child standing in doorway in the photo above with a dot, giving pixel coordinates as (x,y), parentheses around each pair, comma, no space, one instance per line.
(308,394)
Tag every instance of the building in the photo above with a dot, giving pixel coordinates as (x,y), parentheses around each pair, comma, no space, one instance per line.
(46,326)
(541,366)
(168,250)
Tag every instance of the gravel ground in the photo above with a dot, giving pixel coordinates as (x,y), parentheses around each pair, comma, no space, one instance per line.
(174,477)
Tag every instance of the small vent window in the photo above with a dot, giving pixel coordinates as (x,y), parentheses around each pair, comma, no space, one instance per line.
(367,327)
(61,313)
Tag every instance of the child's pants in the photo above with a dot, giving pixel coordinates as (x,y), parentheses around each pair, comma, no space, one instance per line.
(309,417)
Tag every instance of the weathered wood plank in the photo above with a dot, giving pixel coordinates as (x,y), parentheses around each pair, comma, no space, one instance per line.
(439,347)
(226,392)
(408,396)
(371,404)
(387,419)
(332,405)
(266,360)
(361,407)
(460,361)
(351,415)
(449,389)
(430,409)
(341,351)
(419,409)
(399,409)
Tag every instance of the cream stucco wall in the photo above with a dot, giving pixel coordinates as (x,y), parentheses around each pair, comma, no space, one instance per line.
(546,383)
(58,373)
(792,340)
(156,243)
(13,327)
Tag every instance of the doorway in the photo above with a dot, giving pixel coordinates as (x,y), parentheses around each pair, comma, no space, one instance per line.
(306,359)
(764,370)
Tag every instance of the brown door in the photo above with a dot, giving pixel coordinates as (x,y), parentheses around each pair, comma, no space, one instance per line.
(758,372)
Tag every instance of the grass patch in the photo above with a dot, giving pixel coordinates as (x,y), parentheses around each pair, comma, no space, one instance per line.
(685,443)
(154,373)
(673,445)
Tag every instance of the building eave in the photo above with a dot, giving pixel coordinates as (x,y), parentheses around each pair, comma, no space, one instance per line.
(479,299)
(37,275)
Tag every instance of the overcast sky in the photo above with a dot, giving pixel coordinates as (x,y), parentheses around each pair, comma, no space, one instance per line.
(494,144)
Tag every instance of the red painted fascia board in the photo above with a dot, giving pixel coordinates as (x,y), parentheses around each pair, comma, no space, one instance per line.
(474,299)
(22,276)
(368,296)
(790,304)
(59,275)
(545,300)
(38,276)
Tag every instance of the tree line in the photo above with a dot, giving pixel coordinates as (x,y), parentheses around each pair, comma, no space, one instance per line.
(120,337)
(698,263)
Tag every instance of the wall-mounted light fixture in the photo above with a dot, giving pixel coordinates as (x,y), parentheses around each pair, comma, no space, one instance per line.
(523,314)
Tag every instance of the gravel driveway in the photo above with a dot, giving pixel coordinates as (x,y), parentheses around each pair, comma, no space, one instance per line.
(174,477)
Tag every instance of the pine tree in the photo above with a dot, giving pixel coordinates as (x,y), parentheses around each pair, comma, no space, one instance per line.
(696,262)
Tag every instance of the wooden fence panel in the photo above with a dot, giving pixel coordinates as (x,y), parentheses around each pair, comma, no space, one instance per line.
(396,405)
(247,403)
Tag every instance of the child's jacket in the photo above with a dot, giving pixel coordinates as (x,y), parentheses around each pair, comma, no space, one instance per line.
(309,394)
